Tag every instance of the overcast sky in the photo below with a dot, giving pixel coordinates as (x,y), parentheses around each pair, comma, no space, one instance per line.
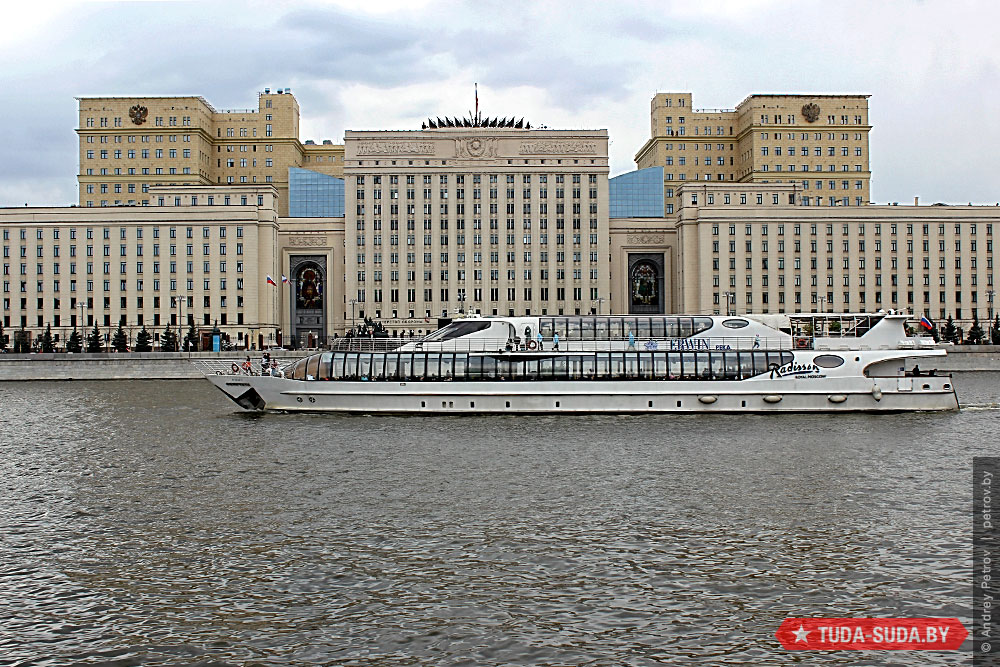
(931,69)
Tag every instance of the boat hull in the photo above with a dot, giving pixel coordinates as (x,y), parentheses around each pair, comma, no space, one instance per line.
(889,394)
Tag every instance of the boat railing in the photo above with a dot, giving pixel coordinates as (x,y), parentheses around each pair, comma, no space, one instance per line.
(362,344)
(238,367)
(612,344)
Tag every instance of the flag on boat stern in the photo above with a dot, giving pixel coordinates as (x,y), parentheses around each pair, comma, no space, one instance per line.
(926,323)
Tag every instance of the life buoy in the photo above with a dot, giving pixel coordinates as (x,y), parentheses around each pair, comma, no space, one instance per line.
(236,368)
(802,343)
(531,345)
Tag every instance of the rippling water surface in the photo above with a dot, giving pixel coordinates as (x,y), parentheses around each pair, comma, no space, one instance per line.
(147,523)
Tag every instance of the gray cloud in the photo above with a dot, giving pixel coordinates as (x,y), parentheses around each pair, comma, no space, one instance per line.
(935,83)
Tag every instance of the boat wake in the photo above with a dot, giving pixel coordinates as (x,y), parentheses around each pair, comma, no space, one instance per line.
(981,406)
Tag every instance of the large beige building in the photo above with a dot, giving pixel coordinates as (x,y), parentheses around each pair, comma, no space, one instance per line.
(817,141)
(128,144)
(475,215)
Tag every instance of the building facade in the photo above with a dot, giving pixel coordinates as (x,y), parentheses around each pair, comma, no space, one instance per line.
(817,141)
(475,216)
(128,144)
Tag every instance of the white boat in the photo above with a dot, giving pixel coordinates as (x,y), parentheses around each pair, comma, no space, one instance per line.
(615,364)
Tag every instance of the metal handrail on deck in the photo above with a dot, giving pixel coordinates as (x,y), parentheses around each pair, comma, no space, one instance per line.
(573,345)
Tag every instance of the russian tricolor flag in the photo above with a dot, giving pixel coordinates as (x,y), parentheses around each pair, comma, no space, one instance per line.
(284,280)
(926,323)
(270,281)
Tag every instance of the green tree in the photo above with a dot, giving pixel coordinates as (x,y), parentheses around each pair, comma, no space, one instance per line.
(143,341)
(169,341)
(119,341)
(994,335)
(191,339)
(47,345)
(94,341)
(950,332)
(3,339)
(935,334)
(75,342)
(976,333)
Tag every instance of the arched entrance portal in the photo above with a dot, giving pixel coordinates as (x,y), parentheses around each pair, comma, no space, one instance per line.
(308,302)
(646,283)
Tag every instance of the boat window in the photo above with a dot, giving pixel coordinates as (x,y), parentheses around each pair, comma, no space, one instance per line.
(746,364)
(601,328)
(546,326)
(672,329)
(689,370)
(391,366)
(313,368)
(560,368)
(828,361)
(735,324)
(530,369)
(419,366)
(338,366)
(475,368)
(615,327)
(405,366)
(587,329)
(573,367)
(718,364)
(545,368)
(760,363)
(657,328)
(447,362)
(686,327)
(461,362)
(490,367)
(325,361)
(732,365)
(364,365)
(573,328)
(588,366)
(644,330)
(299,371)
(603,361)
(647,368)
(617,364)
(457,329)
(630,326)
(702,324)
(632,365)
(674,370)
(433,369)
(660,365)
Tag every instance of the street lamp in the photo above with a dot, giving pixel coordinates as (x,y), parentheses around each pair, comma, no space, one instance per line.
(461,301)
(600,304)
(353,301)
(730,298)
(822,304)
(989,298)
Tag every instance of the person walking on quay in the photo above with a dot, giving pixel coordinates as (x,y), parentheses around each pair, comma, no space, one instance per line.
(539,338)
(555,341)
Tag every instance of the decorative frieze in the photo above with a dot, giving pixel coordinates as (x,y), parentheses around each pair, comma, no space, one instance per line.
(307,241)
(396,148)
(551,147)
(644,239)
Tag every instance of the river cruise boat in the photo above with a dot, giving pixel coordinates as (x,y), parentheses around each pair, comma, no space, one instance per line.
(615,364)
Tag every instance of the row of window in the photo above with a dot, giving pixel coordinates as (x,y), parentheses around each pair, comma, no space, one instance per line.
(559,255)
(494,295)
(22,233)
(880,299)
(416,366)
(57,321)
(123,286)
(893,228)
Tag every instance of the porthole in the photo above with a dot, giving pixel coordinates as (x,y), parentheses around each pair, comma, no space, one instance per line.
(927,386)
(735,324)
(312,399)
(298,398)
(828,361)
(508,404)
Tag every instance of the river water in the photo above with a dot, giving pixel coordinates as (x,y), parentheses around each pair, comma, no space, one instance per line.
(148,523)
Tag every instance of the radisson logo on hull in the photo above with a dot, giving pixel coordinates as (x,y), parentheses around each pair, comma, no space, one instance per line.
(794,369)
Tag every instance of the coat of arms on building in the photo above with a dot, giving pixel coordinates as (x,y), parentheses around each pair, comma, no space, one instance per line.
(476,147)
(811,112)
(138,114)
